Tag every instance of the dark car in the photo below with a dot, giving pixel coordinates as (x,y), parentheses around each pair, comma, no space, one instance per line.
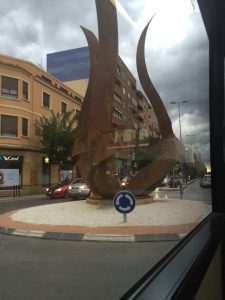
(60,190)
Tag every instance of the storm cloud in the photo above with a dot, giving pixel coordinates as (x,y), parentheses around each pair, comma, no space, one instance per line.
(177,62)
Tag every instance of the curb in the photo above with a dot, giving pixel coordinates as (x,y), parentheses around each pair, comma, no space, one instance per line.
(87,234)
(93,237)
(25,197)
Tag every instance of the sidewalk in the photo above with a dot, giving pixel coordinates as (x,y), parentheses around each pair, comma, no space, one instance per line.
(23,197)
(164,219)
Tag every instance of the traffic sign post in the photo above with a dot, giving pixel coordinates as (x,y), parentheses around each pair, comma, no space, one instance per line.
(124,202)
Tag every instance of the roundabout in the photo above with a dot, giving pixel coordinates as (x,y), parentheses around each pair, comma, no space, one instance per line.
(163,219)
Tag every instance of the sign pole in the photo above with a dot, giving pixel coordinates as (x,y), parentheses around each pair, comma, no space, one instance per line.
(124,218)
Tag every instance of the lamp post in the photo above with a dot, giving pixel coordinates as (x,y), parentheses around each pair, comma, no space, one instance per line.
(181,160)
(192,155)
(191,135)
(179,104)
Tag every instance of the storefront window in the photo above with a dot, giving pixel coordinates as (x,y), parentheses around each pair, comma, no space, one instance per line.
(10,171)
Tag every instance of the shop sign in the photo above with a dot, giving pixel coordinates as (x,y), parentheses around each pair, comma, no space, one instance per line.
(10,157)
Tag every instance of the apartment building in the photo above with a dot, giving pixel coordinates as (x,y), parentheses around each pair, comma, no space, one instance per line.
(133,119)
(131,108)
(27,93)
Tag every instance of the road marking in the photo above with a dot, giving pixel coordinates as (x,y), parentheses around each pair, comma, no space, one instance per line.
(33,233)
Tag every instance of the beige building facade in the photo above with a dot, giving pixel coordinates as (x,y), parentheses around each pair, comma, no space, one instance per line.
(27,93)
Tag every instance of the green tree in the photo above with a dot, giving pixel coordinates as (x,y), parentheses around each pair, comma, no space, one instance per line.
(57,134)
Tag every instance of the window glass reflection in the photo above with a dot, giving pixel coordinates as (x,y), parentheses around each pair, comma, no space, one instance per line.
(118,99)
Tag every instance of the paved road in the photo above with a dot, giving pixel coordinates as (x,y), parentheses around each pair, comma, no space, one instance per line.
(197,193)
(191,192)
(18,203)
(49,269)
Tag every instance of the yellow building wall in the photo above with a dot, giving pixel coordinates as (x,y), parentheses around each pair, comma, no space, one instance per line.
(78,85)
(30,146)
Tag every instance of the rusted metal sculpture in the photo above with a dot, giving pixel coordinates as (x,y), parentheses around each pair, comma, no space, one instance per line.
(95,140)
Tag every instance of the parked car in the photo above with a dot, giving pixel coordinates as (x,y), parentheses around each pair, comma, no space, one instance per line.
(78,190)
(61,190)
(205,181)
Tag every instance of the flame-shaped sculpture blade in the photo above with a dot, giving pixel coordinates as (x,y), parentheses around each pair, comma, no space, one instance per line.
(164,122)
(95,125)
(95,143)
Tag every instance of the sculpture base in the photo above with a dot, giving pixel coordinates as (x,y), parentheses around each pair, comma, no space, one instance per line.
(97,200)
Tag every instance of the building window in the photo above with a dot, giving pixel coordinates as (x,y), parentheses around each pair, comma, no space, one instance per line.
(128,95)
(25,90)
(133,87)
(117,98)
(46,100)
(9,125)
(124,91)
(117,113)
(63,107)
(134,101)
(10,87)
(24,127)
(118,82)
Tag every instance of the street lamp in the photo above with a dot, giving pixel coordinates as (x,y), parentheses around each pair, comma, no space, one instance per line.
(179,104)
(192,154)
(181,160)
(191,135)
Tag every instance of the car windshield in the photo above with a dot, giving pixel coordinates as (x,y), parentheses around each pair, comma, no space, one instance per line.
(78,184)
(61,184)
(112,96)
(78,180)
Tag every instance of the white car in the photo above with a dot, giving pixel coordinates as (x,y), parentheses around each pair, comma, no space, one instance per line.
(206,181)
(78,190)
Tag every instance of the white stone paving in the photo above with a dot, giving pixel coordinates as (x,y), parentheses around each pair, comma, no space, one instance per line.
(160,212)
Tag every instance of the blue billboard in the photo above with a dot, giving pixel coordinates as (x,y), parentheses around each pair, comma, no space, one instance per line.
(69,65)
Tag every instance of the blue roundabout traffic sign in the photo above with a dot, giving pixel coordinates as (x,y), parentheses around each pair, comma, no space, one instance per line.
(124,202)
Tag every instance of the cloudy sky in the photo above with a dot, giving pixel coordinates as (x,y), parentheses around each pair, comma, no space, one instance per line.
(176,48)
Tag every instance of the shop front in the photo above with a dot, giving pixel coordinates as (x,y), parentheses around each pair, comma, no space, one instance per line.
(10,172)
